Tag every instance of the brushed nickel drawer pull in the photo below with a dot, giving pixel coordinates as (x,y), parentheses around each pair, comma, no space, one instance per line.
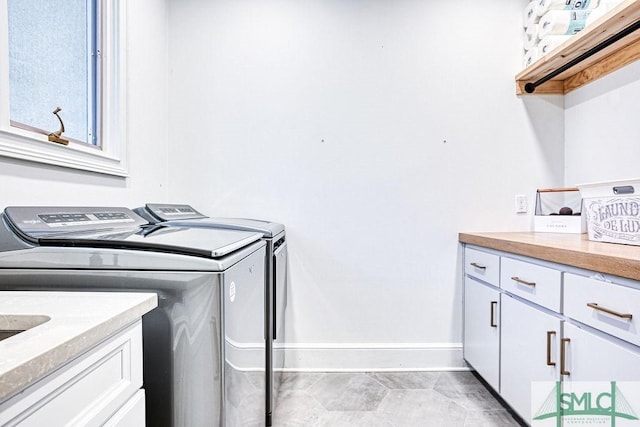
(549,335)
(493,314)
(563,356)
(595,306)
(476,265)
(524,282)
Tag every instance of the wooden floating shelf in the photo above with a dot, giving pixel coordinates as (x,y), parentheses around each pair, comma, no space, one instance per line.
(621,53)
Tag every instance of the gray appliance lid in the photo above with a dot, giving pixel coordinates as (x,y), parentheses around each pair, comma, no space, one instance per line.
(268,229)
(119,228)
(186,216)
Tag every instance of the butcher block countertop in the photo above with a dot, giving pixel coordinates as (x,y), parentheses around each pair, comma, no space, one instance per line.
(569,249)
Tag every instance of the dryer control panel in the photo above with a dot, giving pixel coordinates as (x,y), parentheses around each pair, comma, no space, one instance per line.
(170,212)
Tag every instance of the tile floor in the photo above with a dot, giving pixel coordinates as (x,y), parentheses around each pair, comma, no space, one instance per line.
(401,399)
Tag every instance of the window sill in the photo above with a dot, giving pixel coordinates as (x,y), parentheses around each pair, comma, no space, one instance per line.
(75,156)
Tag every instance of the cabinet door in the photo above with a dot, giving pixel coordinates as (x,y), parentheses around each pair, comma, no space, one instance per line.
(529,352)
(591,357)
(482,330)
(132,413)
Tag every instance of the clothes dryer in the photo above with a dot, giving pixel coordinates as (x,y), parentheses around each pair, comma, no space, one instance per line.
(273,233)
(205,280)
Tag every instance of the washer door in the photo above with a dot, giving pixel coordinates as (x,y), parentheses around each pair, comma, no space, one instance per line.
(245,403)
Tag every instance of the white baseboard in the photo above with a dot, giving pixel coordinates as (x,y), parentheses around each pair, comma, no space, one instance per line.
(373,357)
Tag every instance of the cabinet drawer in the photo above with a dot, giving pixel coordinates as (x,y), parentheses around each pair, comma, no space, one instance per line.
(538,284)
(612,308)
(482,265)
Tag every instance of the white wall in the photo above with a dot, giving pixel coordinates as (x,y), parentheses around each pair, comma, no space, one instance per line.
(602,130)
(25,183)
(376,131)
(331,116)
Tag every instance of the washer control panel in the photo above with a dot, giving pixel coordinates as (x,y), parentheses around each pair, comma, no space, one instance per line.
(36,221)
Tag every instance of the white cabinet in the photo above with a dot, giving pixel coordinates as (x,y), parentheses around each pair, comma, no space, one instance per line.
(529,351)
(531,328)
(590,356)
(593,307)
(100,386)
(554,323)
(482,329)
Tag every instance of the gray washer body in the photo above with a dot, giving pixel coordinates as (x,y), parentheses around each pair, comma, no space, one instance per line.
(276,280)
(188,378)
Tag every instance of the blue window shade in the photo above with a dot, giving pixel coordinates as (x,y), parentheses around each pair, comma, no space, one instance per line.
(52,46)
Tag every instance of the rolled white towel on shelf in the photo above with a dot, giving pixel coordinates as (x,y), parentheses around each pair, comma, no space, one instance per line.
(604,7)
(595,14)
(549,43)
(530,15)
(545,6)
(562,22)
(530,57)
(530,37)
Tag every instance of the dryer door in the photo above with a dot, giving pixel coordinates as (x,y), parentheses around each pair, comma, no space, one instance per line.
(279,291)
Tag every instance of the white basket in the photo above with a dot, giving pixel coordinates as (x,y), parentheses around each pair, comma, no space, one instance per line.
(549,203)
(613,211)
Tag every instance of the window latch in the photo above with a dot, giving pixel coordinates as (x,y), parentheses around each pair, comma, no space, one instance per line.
(57,135)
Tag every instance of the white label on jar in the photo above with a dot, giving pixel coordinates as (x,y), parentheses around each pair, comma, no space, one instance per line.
(232,291)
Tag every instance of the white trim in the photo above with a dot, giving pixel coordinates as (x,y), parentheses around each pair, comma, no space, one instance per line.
(111,158)
(244,356)
(4,65)
(350,357)
(396,346)
(365,357)
(435,369)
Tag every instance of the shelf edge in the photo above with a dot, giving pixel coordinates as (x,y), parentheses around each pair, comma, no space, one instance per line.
(552,87)
(611,63)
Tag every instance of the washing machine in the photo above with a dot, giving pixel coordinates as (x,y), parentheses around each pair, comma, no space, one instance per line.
(207,282)
(273,234)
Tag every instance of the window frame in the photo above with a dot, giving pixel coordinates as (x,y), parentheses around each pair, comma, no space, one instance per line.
(108,158)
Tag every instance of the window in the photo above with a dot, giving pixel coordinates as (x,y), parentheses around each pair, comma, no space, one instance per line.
(65,54)
(53,66)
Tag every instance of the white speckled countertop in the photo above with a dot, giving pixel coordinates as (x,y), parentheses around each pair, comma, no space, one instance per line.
(78,321)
